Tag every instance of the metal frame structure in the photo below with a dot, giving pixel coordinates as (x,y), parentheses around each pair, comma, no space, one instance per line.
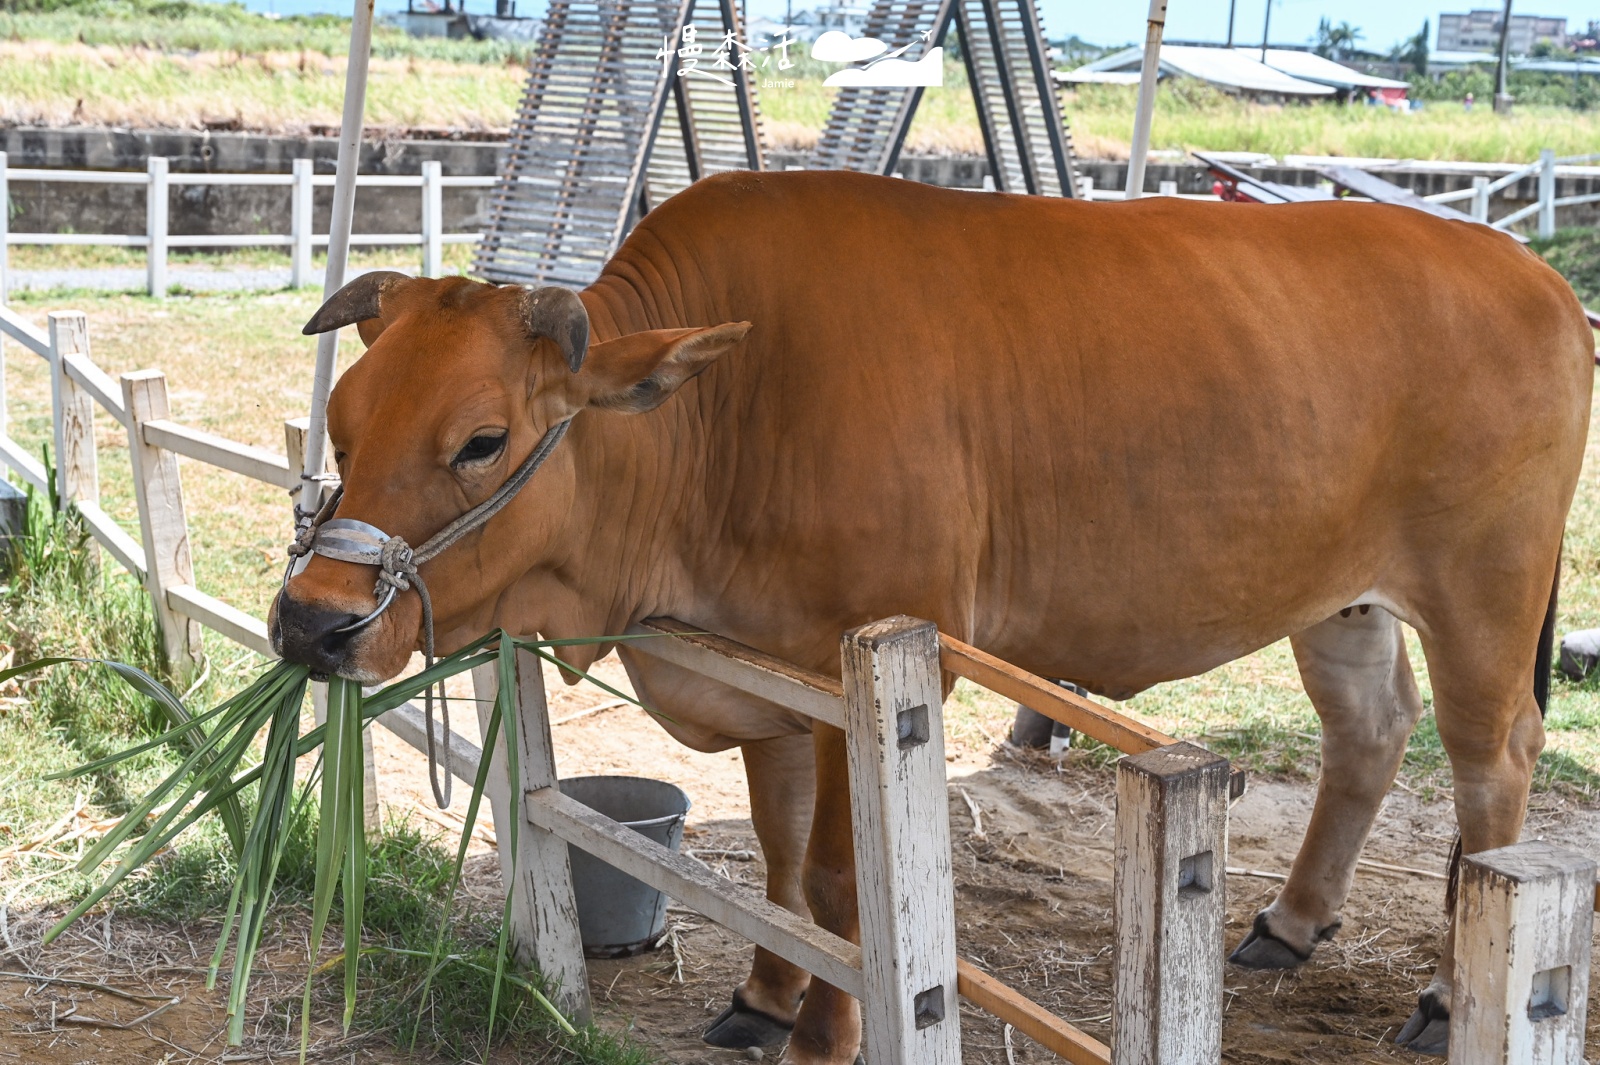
(1019,108)
(583,164)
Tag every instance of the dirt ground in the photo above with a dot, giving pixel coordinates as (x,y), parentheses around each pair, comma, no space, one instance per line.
(1033,875)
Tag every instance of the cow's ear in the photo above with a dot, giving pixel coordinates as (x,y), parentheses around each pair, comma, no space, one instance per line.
(637,372)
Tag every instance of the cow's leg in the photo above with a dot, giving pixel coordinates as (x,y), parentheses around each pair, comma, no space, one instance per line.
(1493,732)
(828,1030)
(1357,674)
(782,783)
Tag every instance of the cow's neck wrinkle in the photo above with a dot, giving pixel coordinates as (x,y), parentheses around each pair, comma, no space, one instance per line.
(642,511)
(645,509)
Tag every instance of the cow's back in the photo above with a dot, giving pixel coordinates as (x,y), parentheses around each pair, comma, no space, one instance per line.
(1083,435)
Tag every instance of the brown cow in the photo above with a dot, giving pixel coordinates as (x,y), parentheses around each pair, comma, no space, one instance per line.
(1119,444)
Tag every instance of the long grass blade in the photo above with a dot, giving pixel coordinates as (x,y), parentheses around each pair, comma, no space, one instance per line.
(538,648)
(331,836)
(355,874)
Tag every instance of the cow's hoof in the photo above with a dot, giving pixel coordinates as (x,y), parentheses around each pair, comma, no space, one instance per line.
(1262,949)
(740,1026)
(1428,1030)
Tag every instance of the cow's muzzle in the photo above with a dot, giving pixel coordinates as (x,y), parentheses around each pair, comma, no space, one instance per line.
(313,635)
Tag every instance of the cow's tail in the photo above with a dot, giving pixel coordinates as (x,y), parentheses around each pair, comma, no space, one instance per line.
(1544,658)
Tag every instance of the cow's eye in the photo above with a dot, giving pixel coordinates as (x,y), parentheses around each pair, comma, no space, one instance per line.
(479,449)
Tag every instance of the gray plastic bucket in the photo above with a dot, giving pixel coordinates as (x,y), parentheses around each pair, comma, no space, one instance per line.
(617,915)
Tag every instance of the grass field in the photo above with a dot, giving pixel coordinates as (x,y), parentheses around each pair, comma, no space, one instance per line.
(54,83)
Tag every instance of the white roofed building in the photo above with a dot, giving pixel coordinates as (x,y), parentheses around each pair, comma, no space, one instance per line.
(1308,66)
(1233,70)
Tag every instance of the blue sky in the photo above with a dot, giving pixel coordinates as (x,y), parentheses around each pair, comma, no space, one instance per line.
(1383,22)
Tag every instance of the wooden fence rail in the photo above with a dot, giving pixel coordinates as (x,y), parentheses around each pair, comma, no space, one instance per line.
(1526,969)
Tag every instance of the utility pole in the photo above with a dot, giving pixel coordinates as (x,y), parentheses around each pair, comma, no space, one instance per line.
(1149,73)
(1266,30)
(1502,98)
(1232,4)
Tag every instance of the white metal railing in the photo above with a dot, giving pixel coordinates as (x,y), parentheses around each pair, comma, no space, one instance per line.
(301,239)
(1482,190)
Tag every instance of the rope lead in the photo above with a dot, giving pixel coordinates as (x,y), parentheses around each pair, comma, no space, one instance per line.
(348,540)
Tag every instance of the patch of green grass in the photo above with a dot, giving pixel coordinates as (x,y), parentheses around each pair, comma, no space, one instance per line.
(1575,253)
(408,879)
(55,601)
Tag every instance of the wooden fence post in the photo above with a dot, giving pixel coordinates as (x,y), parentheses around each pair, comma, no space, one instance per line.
(72,411)
(538,874)
(301,202)
(1480,198)
(155,227)
(1523,926)
(904,883)
(1547,193)
(1169,907)
(163,524)
(432,218)
(294,443)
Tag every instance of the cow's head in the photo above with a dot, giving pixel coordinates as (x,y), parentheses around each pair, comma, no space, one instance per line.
(459,382)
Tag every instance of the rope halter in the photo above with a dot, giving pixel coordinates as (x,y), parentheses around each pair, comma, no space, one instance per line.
(348,540)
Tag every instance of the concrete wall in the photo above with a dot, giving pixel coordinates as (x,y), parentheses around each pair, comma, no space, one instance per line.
(41,207)
(47,207)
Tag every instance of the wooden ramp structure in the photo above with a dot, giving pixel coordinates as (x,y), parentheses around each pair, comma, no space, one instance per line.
(607,127)
(1019,108)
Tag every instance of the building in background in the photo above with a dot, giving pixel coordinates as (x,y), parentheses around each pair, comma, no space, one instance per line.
(1479,31)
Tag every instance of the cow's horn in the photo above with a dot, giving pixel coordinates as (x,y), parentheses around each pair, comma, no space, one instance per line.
(559,314)
(358,301)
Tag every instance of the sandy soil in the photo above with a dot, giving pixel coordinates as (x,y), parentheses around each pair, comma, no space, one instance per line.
(1033,871)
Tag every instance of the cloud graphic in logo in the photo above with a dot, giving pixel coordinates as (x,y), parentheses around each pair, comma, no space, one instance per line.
(835,46)
(925,73)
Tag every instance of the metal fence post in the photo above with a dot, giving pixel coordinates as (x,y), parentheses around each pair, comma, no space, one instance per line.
(1547,193)
(1522,956)
(294,441)
(538,874)
(72,411)
(432,218)
(1169,907)
(163,525)
(1086,188)
(1480,198)
(300,221)
(905,887)
(155,227)
(1167,188)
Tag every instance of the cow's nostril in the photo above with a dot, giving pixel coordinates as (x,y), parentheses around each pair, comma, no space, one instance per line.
(311,635)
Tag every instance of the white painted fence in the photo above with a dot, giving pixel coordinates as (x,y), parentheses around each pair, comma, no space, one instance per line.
(301,182)
(1525,919)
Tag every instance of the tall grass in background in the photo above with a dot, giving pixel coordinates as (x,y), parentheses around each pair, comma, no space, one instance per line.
(1191,115)
(194,26)
(62,84)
